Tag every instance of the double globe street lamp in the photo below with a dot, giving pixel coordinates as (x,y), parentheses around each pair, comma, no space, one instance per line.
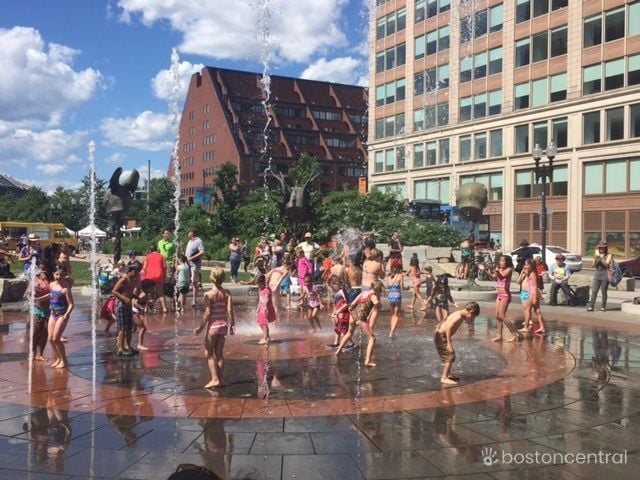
(544,174)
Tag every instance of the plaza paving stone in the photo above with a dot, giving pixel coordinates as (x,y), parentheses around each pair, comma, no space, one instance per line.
(294,411)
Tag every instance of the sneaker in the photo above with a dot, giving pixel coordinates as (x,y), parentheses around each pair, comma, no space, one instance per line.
(590,309)
(603,309)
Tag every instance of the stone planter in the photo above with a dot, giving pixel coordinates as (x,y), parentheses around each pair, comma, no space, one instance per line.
(13,289)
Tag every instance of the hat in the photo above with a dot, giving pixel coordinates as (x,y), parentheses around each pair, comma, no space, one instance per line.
(132,253)
(602,244)
(272,236)
(524,243)
(34,237)
(559,256)
(308,234)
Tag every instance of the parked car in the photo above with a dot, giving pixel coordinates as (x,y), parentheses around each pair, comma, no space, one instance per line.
(573,260)
(630,268)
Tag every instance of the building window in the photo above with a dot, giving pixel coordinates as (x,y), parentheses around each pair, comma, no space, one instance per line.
(495,102)
(389,160)
(495,61)
(480,22)
(558,87)
(540,134)
(492,181)
(591,128)
(465,109)
(592,31)
(379,130)
(480,146)
(540,92)
(418,155)
(444,35)
(496,15)
(523,10)
(431,153)
(592,79)
(418,83)
(523,184)
(522,96)
(633,25)
(465,68)
(634,124)
(495,139)
(593,179)
(443,76)
(614,74)
(401,158)
(443,114)
(634,175)
(559,126)
(615,123)
(418,119)
(522,139)
(558,41)
(480,65)
(480,105)
(522,52)
(465,148)
(379,161)
(419,47)
(539,46)
(614,24)
(633,70)
(615,177)
(443,151)
(436,189)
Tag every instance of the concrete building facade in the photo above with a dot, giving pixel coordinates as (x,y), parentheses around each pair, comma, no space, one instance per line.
(463,90)
(224,120)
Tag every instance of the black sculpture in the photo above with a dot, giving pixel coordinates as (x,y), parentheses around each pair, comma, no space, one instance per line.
(117,201)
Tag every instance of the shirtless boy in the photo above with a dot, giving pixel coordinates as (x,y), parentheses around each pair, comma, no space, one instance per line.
(443,335)
(124,291)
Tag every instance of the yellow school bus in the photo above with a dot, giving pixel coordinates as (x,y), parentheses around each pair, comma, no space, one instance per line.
(47,233)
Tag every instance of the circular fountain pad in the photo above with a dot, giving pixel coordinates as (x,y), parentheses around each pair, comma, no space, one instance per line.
(295,376)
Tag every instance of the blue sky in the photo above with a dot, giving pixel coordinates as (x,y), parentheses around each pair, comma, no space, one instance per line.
(72,71)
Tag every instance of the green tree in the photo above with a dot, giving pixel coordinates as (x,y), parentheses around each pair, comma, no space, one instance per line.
(33,206)
(158,213)
(84,195)
(228,194)
(260,215)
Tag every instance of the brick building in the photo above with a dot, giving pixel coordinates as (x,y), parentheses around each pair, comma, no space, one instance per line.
(224,121)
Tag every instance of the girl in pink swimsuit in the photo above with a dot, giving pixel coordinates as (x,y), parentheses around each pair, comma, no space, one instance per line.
(219,319)
(502,275)
(530,296)
(414,274)
(266,313)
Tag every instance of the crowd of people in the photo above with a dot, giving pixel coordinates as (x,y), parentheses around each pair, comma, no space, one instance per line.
(356,273)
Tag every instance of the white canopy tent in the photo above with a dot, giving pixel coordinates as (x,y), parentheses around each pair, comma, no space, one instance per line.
(86,232)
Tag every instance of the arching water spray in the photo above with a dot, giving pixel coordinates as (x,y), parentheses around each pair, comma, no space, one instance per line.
(91,147)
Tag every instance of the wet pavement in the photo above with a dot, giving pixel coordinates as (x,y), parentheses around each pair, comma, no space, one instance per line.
(566,405)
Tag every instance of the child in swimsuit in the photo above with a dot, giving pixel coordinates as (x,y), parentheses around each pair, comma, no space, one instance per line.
(266,314)
(219,319)
(414,274)
(440,298)
(61,305)
(311,294)
(41,313)
(340,311)
(395,285)
(502,276)
(362,311)
(139,309)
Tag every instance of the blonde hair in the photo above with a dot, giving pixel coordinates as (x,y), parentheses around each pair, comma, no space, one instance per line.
(217,275)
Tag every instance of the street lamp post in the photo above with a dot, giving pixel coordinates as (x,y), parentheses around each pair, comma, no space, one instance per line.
(56,210)
(544,173)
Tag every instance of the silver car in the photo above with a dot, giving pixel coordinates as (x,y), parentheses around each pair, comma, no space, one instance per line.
(573,260)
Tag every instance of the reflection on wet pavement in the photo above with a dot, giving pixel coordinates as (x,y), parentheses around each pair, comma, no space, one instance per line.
(575,391)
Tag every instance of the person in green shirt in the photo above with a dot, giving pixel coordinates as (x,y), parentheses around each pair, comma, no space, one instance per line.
(166,247)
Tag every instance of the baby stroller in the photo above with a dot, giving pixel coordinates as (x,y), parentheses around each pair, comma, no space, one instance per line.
(106,281)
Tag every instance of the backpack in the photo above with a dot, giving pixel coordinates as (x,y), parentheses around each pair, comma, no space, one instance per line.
(615,274)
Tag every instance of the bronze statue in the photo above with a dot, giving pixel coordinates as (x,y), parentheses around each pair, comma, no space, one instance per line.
(117,201)
(471,199)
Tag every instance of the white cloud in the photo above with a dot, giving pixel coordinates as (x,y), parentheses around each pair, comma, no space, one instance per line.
(155,173)
(163,83)
(23,146)
(115,158)
(51,168)
(227,30)
(148,131)
(38,83)
(338,70)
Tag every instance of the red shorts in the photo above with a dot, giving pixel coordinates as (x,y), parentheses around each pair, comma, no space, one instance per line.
(393,262)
